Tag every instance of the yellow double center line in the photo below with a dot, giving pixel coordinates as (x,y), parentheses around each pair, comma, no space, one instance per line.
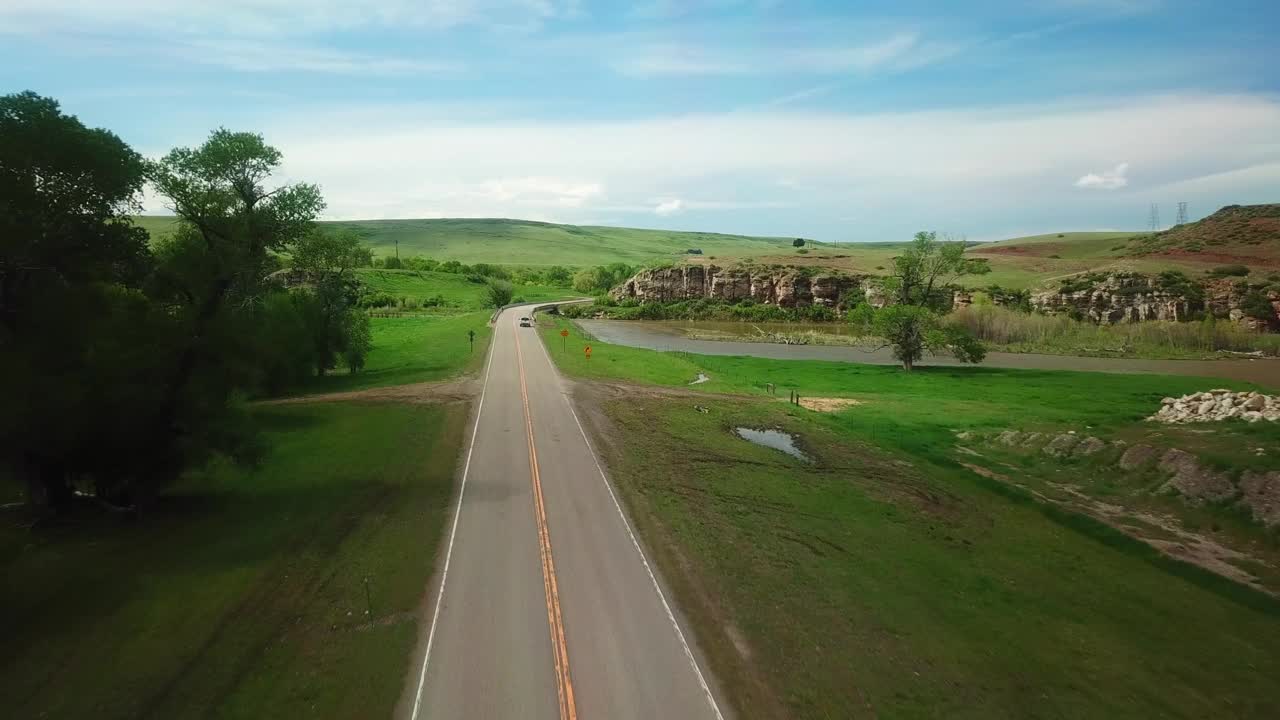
(564,686)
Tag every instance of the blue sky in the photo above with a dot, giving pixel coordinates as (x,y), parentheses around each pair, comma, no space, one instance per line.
(840,121)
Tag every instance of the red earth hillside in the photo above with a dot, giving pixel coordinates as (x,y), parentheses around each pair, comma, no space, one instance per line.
(1236,234)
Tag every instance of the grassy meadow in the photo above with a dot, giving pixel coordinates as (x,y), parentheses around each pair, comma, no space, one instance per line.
(1016,263)
(879,581)
(414,349)
(886,579)
(1013,331)
(459,294)
(243,595)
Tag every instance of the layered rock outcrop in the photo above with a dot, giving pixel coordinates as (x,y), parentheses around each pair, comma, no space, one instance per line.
(1134,297)
(785,287)
(1116,298)
(1227,297)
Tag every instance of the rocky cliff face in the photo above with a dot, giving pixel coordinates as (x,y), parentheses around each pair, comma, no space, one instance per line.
(1116,298)
(1132,297)
(1227,297)
(785,287)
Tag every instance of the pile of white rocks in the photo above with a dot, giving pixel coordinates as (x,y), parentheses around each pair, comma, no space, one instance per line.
(1217,405)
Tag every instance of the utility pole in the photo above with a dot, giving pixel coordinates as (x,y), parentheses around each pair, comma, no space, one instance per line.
(1182,214)
(397,248)
(1153,219)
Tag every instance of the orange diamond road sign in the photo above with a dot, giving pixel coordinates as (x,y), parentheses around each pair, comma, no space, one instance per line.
(587,351)
(564,333)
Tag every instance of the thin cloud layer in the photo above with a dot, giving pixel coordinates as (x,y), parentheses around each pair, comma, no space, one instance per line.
(829,120)
(1112,179)
(939,163)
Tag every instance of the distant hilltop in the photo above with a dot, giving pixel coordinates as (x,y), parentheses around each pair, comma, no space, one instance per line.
(1243,234)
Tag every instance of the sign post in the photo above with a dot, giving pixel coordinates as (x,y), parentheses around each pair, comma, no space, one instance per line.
(587,351)
(564,341)
(471,335)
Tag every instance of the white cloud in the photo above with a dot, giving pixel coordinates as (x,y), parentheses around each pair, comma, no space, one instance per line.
(897,52)
(267,17)
(668,207)
(255,56)
(800,95)
(920,168)
(1112,179)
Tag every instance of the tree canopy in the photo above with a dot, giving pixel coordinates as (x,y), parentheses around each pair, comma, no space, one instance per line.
(125,364)
(920,286)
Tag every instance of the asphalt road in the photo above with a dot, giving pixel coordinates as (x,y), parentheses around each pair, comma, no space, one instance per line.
(547,606)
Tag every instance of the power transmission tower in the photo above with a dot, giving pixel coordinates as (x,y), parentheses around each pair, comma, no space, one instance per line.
(1182,214)
(1153,219)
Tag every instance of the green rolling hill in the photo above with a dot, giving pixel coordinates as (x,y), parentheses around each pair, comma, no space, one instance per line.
(1234,235)
(523,242)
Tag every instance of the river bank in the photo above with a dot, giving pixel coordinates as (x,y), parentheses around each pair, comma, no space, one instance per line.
(671,336)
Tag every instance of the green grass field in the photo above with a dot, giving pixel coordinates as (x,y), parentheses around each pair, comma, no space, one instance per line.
(1016,263)
(938,398)
(880,583)
(522,242)
(886,580)
(414,349)
(459,293)
(242,594)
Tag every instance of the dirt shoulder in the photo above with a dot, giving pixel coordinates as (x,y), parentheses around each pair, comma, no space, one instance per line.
(458,390)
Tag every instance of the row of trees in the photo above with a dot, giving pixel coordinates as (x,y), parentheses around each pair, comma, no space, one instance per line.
(591,280)
(123,363)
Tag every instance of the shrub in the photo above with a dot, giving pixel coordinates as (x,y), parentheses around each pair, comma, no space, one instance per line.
(500,293)
(392,263)
(802,251)
(357,340)
(910,330)
(490,271)
(798,242)
(1256,305)
(378,300)
(1001,326)
(1019,300)
(1229,271)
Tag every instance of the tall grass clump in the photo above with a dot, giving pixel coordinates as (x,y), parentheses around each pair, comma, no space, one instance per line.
(1027,332)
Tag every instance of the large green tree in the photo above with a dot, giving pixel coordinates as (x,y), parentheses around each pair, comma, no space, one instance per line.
(211,277)
(69,262)
(326,262)
(65,194)
(920,286)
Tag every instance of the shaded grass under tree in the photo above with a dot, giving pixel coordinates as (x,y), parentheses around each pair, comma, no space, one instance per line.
(245,596)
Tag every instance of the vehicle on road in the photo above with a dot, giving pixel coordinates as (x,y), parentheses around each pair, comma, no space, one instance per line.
(526,322)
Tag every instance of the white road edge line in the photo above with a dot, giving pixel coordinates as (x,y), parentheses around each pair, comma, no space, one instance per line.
(688,652)
(457,512)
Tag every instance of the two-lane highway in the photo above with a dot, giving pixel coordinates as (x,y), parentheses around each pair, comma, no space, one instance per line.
(547,606)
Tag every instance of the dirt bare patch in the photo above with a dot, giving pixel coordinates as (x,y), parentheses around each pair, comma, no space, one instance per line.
(1177,543)
(420,393)
(828,405)
(1216,258)
(1029,250)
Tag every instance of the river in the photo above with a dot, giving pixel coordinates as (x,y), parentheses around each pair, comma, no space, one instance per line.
(667,336)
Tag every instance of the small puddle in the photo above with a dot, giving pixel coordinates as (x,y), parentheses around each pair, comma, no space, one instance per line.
(702,377)
(775,439)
